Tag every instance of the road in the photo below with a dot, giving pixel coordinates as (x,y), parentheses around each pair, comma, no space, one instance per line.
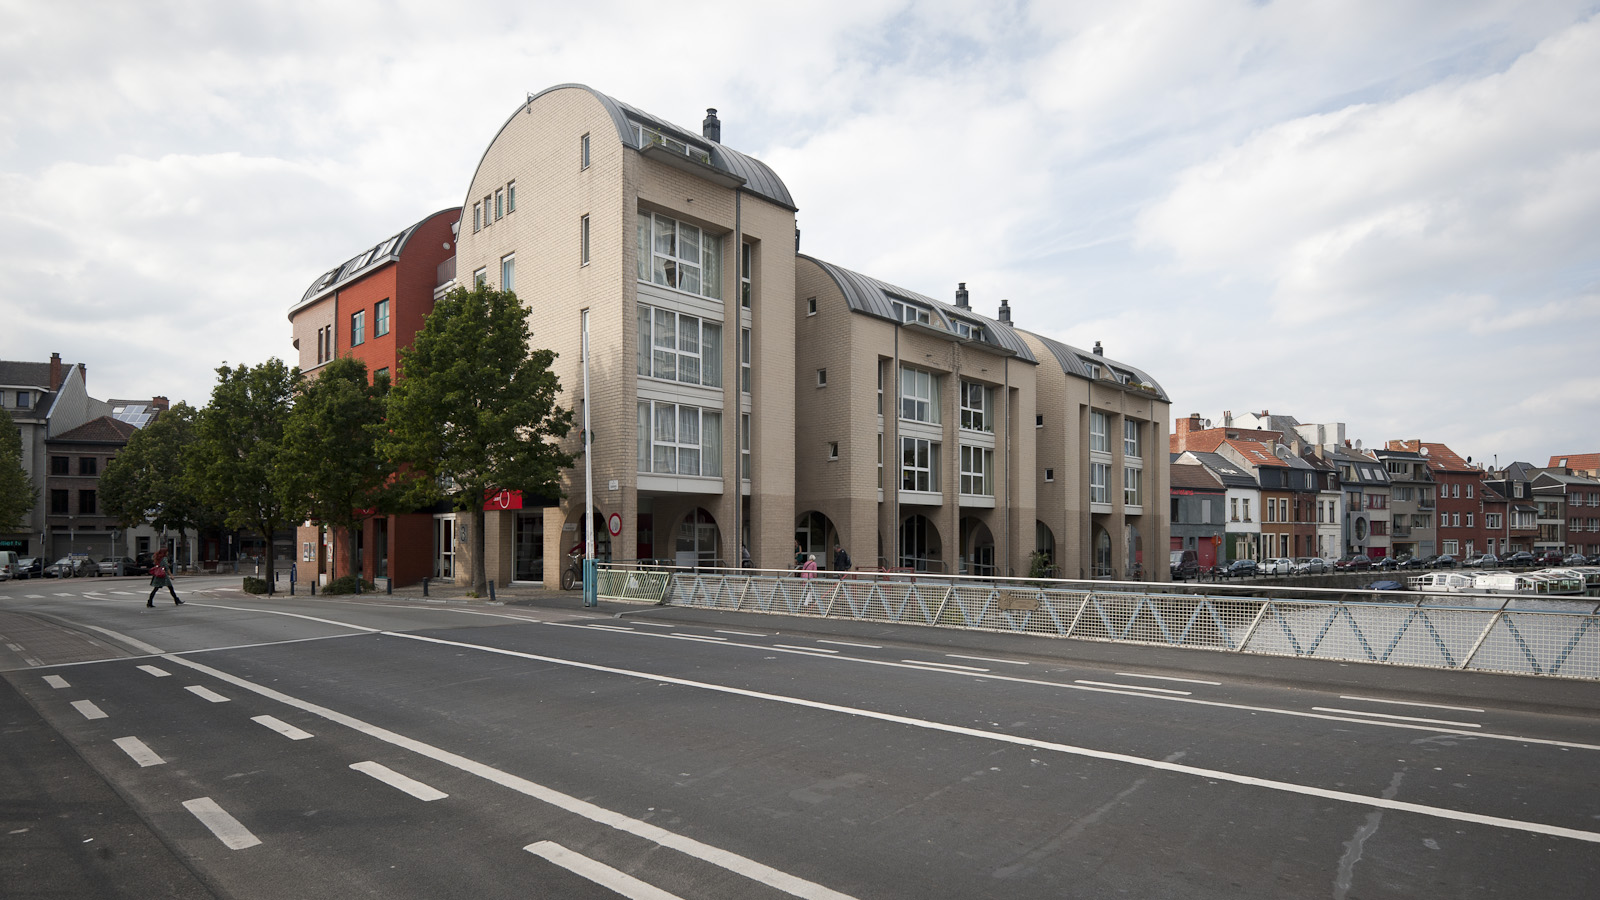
(247,747)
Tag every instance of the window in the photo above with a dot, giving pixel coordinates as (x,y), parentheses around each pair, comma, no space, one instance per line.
(486,209)
(833,449)
(1132,487)
(677,347)
(1491,520)
(86,503)
(679,440)
(1455,519)
(499,204)
(1099,483)
(1272,510)
(60,465)
(380,317)
(744,360)
(822,378)
(23,399)
(679,255)
(1099,440)
(976,401)
(358,328)
(744,448)
(88,465)
(919,396)
(1038,420)
(511,197)
(1247,510)
(583,241)
(977,471)
(910,312)
(918,464)
(1469,491)
(1469,520)
(508,272)
(380,375)
(480,277)
(746,257)
(477,217)
(1233,508)
(811,306)
(1049,474)
(58,503)
(1094,370)
(1451,547)
(1130,440)
(583,152)
(968,330)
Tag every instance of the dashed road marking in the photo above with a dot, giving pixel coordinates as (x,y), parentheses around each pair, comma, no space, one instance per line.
(136,749)
(842,644)
(942,666)
(89,710)
(1411,703)
(1167,678)
(400,782)
(1373,715)
(1009,662)
(228,830)
(282,727)
(598,872)
(806,649)
(1131,687)
(159,673)
(206,693)
(56,681)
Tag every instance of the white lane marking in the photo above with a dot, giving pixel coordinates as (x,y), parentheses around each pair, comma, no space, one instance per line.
(1133,691)
(700,637)
(15,648)
(598,872)
(158,673)
(1167,678)
(33,596)
(32,662)
(941,666)
(89,710)
(1132,687)
(395,780)
(609,628)
(837,643)
(282,727)
(227,829)
(1359,712)
(1410,703)
(126,593)
(66,595)
(141,754)
(279,612)
(206,693)
(56,681)
(1009,662)
(741,633)
(805,649)
(1160,764)
(656,624)
(733,862)
(135,643)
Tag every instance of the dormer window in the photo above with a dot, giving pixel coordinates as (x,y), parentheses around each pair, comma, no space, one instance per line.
(968,330)
(910,312)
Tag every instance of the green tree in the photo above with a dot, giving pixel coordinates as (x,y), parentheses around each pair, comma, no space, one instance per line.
(331,446)
(149,481)
(236,457)
(474,410)
(16,485)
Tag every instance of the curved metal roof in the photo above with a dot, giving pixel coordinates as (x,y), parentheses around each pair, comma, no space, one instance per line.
(384,251)
(868,295)
(758,176)
(1076,362)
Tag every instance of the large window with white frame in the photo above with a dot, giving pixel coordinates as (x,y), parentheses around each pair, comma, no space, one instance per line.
(677,439)
(911,312)
(676,347)
(1099,482)
(1133,487)
(1099,432)
(977,406)
(919,464)
(508,272)
(744,446)
(1132,446)
(977,471)
(679,255)
(919,395)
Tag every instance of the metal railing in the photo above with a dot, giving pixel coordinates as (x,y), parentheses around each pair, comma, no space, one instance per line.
(1457,631)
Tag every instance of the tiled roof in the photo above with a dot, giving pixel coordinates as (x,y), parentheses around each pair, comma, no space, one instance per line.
(1576,461)
(1226,470)
(1256,453)
(1442,459)
(104,430)
(29,374)
(1194,477)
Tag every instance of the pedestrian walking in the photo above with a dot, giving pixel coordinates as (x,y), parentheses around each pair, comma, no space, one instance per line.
(160,578)
(841,559)
(808,571)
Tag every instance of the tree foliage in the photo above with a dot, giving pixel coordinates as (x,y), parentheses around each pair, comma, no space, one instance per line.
(237,455)
(474,410)
(17,493)
(149,481)
(330,453)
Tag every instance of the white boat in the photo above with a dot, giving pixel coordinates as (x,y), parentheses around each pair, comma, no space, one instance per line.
(1443,582)
(1544,584)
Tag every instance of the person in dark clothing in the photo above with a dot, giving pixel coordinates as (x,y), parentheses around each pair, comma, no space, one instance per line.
(841,559)
(159,578)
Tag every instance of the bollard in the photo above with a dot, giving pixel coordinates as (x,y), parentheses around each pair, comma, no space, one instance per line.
(291,587)
(425,586)
(491,590)
(388,584)
(313,588)
(591,582)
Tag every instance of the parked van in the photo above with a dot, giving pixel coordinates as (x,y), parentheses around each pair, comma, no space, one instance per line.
(1185,565)
(10,565)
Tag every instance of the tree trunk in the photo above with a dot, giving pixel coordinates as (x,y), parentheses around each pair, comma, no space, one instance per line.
(480,581)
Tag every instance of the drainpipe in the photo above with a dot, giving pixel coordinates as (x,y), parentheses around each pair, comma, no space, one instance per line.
(738,389)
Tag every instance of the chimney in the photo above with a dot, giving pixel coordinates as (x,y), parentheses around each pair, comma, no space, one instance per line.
(1005,311)
(961,296)
(711,128)
(83,372)
(1227,418)
(1098,350)
(1181,429)
(160,402)
(55,371)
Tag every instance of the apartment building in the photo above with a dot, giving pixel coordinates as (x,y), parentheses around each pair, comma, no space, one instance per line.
(1569,511)
(1515,483)
(370,307)
(1367,522)
(676,254)
(918,449)
(1241,537)
(1198,513)
(1461,527)
(1413,500)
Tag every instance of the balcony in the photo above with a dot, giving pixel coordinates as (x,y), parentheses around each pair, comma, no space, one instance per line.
(1425,504)
(1401,531)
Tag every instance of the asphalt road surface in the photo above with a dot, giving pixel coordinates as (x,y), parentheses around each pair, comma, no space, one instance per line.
(247,747)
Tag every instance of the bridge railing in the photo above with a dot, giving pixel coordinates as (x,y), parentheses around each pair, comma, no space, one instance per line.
(1491,633)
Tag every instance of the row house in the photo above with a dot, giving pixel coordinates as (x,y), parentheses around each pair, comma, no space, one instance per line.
(1198,511)
(1461,527)
(1520,530)
(1586,464)
(1413,503)
(1367,527)
(1569,511)
(1241,535)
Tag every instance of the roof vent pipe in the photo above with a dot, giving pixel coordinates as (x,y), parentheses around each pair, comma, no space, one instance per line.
(711,128)
(1098,350)
(1005,311)
(961,296)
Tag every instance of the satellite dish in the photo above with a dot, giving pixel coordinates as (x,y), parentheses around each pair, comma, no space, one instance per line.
(1358,443)
(1423,451)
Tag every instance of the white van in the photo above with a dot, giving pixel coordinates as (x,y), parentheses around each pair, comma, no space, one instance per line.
(9,565)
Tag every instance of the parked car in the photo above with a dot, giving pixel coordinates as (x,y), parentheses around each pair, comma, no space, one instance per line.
(1309,565)
(1386,563)
(108,566)
(1445,561)
(1520,558)
(70,566)
(1277,565)
(1482,561)
(1185,565)
(1240,568)
(1549,558)
(30,567)
(9,564)
(1594,560)
(1353,563)
(1414,562)
(1575,559)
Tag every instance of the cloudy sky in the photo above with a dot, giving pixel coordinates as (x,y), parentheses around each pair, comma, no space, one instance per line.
(1383,213)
